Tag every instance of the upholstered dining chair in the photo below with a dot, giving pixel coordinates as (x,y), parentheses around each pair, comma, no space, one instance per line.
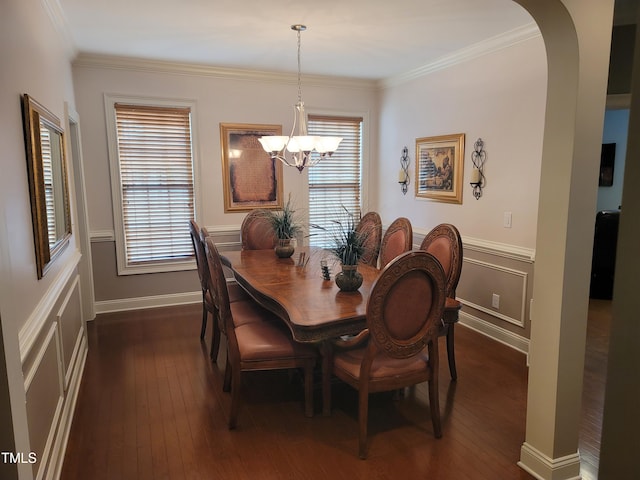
(236,293)
(399,348)
(445,243)
(397,239)
(370,226)
(256,232)
(203,275)
(255,340)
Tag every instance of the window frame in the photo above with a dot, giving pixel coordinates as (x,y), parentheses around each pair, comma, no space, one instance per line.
(364,153)
(123,268)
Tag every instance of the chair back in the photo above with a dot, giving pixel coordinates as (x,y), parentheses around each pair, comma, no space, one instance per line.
(256,232)
(219,290)
(397,239)
(444,243)
(201,258)
(370,226)
(406,304)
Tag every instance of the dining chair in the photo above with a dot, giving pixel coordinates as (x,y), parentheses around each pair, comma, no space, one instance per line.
(445,243)
(397,239)
(256,231)
(256,340)
(399,348)
(203,275)
(370,226)
(236,293)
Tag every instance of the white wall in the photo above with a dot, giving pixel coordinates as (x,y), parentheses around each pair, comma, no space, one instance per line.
(616,125)
(499,97)
(34,59)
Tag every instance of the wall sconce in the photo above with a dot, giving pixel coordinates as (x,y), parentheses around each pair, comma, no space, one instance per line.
(403,175)
(477,173)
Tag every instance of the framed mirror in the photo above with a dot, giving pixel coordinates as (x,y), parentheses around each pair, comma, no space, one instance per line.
(48,188)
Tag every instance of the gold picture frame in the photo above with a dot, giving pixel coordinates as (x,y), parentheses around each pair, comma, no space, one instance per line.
(48,183)
(250,177)
(439,167)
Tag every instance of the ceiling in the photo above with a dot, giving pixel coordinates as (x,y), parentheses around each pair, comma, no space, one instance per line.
(370,39)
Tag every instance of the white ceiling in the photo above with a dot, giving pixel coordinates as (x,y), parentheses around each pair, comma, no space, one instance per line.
(370,39)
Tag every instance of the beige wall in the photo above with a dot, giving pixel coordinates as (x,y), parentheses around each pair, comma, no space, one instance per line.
(501,99)
(43,344)
(221,97)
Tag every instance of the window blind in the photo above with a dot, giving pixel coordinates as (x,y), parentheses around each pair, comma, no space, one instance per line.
(156,181)
(47,174)
(335,182)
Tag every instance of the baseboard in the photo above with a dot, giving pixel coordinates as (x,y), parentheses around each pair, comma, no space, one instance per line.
(139,303)
(494,332)
(543,467)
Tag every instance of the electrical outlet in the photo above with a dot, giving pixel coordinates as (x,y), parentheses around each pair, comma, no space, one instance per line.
(507,220)
(495,301)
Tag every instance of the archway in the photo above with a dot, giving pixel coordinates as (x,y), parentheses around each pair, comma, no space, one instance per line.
(577,37)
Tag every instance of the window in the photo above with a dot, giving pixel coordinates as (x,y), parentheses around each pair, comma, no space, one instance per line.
(335,182)
(153,193)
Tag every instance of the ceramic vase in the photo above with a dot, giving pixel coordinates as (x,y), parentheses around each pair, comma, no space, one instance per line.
(349,279)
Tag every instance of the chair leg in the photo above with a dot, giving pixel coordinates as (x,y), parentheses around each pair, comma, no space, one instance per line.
(226,384)
(363,417)
(451,355)
(327,366)
(434,396)
(215,339)
(235,398)
(308,388)
(434,405)
(205,314)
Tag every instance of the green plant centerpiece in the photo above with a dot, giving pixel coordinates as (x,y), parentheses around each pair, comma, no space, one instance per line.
(348,247)
(286,227)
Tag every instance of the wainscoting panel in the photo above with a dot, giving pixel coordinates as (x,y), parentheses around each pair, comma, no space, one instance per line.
(45,397)
(53,349)
(490,268)
(69,319)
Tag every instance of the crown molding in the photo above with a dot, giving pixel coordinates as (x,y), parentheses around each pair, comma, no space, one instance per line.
(59,20)
(490,45)
(86,60)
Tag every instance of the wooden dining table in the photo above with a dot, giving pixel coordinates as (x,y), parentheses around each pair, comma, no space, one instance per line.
(314,308)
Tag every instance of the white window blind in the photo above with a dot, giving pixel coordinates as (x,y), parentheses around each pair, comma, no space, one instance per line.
(335,182)
(156,182)
(47,174)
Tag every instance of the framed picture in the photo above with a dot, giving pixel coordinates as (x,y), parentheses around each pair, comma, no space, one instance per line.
(250,177)
(439,164)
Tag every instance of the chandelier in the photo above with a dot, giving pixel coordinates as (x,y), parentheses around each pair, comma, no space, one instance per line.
(295,150)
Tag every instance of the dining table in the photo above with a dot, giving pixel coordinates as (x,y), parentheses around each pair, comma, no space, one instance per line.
(295,290)
(314,308)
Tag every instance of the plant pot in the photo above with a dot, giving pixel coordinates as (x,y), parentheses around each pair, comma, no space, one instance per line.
(284,247)
(349,279)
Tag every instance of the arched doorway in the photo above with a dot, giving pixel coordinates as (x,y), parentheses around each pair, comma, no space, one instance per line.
(577,37)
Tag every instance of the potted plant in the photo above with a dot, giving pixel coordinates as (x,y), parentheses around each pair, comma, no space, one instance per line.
(348,247)
(286,228)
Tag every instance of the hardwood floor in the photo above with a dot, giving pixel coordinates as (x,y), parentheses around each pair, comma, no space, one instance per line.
(151,406)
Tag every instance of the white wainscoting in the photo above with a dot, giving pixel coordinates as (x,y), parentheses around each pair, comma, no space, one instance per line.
(53,350)
(511,265)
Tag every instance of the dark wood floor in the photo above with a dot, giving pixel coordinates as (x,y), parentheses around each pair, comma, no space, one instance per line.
(151,406)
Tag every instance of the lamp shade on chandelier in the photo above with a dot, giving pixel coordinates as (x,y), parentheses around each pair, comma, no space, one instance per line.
(296,150)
